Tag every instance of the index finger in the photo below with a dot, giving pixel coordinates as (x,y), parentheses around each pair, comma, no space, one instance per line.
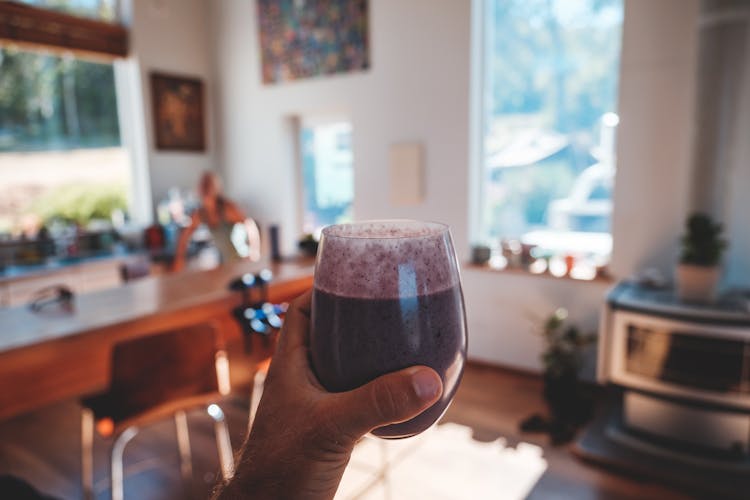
(296,329)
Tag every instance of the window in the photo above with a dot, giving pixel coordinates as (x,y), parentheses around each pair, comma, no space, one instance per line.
(550,73)
(327,173)
(61,158)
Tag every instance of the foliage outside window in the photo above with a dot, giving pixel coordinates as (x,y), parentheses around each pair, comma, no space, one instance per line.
(549,103)
(60,150)
(51,102)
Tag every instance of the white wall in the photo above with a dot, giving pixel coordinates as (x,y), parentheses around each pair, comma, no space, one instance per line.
(172,36)
(418,89)
(737,262)
(657,93)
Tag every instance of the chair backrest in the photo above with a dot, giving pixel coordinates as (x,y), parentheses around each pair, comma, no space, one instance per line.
(154,370)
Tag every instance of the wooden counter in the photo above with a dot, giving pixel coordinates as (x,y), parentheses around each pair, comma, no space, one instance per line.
(18,284)
(51,356)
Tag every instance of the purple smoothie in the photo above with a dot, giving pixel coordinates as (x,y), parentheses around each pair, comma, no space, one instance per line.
(387,296)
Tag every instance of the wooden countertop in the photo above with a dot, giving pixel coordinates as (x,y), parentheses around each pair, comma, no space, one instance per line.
(55,355)
(137,302)
(16,273)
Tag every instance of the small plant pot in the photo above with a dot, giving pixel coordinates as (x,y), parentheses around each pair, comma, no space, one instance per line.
(560,393)
(480,254)
(698,284)
(308,247)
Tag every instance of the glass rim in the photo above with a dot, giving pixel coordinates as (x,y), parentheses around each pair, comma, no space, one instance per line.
(432,229)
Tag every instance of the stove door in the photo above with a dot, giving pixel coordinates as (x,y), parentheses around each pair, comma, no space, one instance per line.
(691,360)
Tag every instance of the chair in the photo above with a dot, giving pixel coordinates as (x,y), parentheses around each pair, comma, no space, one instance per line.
(258,318)
(153,377)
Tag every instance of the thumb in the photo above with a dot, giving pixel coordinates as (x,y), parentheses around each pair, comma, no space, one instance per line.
(394,397)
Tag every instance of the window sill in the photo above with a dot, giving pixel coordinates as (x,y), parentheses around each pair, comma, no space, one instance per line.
(599,278)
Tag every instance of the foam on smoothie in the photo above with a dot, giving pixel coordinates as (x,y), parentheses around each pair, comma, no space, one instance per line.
(385,259)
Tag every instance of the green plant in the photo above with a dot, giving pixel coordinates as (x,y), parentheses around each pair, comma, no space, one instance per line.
(308,244)
(563,345)
(702,244)
(80,203)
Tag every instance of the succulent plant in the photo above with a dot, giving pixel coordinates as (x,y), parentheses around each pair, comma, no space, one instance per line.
(702,244)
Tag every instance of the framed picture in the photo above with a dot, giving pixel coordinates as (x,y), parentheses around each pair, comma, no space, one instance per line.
(179,120)
(307,38)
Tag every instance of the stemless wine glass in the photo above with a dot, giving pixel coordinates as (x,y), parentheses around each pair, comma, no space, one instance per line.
(386,296)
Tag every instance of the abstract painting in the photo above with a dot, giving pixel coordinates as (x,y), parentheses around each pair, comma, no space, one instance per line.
(307,38)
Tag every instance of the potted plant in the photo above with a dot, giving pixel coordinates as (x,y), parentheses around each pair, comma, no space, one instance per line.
(568,406)
(698,272)
(308,244)
(480,254)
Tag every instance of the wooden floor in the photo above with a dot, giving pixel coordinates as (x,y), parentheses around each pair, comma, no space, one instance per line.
(43,448)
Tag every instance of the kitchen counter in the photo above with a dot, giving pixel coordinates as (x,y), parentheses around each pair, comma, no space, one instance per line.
(54,355)
(20,283)
(20,272)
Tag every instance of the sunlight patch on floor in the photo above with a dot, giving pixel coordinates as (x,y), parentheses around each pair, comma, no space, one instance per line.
(443,463)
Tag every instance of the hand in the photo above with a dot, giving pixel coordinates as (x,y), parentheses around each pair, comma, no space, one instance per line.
(302,437)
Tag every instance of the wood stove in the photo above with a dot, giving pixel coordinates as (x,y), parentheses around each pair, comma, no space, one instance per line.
(683,370)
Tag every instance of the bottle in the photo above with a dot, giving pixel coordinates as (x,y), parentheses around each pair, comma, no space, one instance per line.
(273,234)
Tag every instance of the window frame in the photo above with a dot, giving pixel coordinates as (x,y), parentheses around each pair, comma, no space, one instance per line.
(476,118)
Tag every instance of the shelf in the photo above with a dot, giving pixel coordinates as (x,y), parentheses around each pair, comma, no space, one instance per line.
(606,279)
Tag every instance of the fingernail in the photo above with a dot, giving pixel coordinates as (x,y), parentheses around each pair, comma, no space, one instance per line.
(426,385)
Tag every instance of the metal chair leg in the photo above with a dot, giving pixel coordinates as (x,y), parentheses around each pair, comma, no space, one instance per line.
(117,471)
(224,446)
(258,383)
(183,443)
(87,453)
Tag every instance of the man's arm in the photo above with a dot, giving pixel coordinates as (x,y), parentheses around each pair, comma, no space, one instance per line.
(182,243)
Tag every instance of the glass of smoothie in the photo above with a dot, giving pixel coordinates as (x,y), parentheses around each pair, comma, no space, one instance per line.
(386,296)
